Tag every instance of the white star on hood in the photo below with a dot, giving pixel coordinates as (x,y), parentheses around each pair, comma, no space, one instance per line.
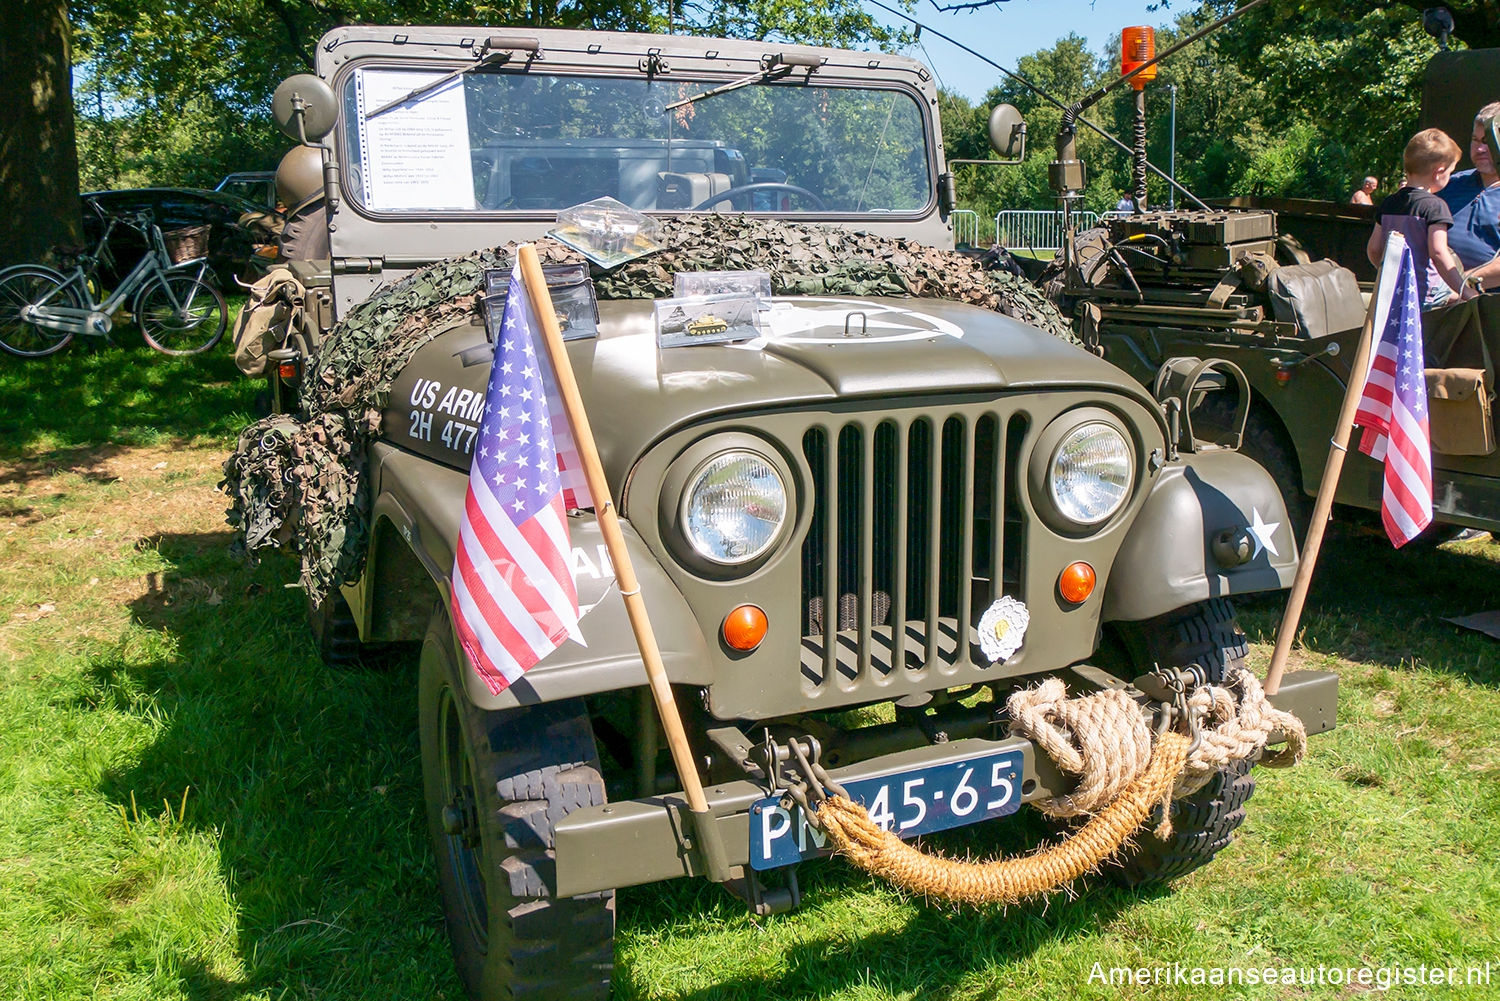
(1262,533)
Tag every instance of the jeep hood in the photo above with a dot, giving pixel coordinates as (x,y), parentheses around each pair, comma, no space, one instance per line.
(815,351)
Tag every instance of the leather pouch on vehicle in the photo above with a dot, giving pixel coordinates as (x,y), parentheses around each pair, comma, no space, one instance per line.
(1458,405)
(273,307)
(1321,298)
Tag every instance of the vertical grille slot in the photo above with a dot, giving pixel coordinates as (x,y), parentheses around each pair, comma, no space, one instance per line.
(914,531)
(1011,559)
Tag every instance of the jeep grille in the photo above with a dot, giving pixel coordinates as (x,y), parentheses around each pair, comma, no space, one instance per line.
(912,517)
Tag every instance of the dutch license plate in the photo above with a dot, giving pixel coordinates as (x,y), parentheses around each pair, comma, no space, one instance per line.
(919,801)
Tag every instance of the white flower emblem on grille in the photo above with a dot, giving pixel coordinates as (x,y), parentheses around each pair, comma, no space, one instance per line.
(1001,629)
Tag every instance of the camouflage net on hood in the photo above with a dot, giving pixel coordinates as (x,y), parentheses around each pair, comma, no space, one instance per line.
(300,481)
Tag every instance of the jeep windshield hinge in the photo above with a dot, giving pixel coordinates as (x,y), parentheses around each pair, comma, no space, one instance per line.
(358,265)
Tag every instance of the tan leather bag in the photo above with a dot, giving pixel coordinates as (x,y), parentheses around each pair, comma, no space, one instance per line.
(1458,406)
(273,309)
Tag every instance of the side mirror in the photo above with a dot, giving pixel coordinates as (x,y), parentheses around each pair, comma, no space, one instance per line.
(1008,133)
(305,108)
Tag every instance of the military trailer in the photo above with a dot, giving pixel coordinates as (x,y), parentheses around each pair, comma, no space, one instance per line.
(860,485)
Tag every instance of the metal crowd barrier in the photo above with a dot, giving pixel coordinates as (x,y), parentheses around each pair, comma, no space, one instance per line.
(965,227)
(1036,229)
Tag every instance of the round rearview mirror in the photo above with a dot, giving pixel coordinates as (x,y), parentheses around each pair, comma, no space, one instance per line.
(304,107)
(1007,132)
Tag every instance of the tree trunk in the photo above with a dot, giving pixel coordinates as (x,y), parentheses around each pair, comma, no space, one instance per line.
(38,153)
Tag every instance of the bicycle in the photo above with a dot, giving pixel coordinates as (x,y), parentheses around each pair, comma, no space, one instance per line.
(178,310)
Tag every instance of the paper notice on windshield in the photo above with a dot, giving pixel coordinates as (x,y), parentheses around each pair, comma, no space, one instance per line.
(416,155)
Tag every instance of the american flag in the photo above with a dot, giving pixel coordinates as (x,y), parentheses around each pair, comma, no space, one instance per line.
(1393,408)
(514,601)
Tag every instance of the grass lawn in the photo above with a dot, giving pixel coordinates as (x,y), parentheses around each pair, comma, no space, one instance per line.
(195,808)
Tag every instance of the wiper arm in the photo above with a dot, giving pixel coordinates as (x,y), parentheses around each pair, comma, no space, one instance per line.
(497,49)
(774,67)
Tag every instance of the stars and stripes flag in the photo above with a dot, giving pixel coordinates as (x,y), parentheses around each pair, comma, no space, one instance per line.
(514,600)
(1393,407)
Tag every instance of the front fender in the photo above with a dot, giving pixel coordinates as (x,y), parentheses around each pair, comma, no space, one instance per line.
(422,502)
(1167,560)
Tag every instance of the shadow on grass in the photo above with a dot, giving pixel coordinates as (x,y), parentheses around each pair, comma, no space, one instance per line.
(935,949)
(1362,597)
(123,394)
(308,778)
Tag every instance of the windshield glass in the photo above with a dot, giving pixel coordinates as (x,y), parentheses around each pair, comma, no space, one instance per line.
(523,143)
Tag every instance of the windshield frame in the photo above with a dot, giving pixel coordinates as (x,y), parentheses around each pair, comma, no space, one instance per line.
(353,197)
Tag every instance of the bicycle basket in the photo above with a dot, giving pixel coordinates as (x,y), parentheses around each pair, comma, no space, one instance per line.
(187,243)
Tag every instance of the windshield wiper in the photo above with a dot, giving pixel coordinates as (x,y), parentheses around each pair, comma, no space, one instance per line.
(774,67)
(497,49)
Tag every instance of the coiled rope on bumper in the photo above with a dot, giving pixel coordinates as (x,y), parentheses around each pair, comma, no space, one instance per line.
(1004,881)
(1104,738)
(1237,722)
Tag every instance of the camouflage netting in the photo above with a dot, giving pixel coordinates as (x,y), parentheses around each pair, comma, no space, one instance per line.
(300,482)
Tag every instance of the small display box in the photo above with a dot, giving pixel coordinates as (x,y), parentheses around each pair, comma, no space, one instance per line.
(573,300)
(699,283)
(607,232)
(707,319)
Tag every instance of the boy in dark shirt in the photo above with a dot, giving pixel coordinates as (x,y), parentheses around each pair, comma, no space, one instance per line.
(1422,217)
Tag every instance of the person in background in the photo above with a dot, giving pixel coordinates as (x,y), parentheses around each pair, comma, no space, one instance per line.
(1417,213)
(1362,193)
(1473,197)
(299,185)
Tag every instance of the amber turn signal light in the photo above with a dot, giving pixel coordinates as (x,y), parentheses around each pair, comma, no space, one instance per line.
(744,628)
(1076,582)
(287,370)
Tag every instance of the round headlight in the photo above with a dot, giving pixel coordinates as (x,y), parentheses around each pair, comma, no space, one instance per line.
(1090,473)
(734,507)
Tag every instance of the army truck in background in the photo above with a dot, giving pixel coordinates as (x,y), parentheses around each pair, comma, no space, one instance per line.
(866,481)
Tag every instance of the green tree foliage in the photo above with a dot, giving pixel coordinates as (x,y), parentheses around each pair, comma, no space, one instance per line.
(1298,99)
(179,91)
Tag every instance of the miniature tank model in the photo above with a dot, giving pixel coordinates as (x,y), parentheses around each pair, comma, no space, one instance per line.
(707,325)
(912,503)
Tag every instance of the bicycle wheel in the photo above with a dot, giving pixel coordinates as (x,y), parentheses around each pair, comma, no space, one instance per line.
(26,286)
(181,315)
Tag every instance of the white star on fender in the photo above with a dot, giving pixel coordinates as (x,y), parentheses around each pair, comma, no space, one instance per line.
(1262,532)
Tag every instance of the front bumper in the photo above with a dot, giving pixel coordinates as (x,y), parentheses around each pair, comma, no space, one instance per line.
(638,841)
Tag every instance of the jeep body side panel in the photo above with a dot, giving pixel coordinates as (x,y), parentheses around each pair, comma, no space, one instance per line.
(1167,561)
(422,503)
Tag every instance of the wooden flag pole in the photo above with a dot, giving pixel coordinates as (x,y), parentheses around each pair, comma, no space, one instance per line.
(614,539)
(1332,469)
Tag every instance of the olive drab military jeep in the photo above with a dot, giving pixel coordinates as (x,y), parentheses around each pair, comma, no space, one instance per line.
(863,483)
(1239,284)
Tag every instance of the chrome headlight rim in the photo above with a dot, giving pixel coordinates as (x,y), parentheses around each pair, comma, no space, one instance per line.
(1044,459)
(677,496)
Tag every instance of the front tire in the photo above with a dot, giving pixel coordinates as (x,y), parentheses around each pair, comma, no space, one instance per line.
(181,315)
(495,784)
(1203,824)
(25,286)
